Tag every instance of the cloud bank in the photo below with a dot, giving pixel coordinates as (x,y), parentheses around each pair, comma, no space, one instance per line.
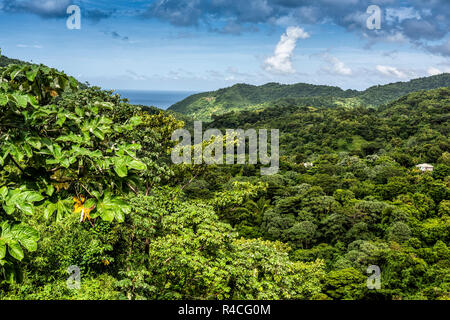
(51,9)
(416,21)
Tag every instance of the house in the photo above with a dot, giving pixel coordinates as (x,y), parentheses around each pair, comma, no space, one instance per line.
(425,167)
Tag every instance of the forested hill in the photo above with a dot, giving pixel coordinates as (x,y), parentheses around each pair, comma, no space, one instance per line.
(243,95)
(378,95)
(239,97)
(308,131)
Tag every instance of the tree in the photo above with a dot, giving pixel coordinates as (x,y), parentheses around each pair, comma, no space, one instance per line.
(302,233)
(399,231)
(254,210)
(54,149)
(345,284)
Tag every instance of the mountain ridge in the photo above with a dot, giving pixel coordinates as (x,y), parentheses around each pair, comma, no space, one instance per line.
(241,96)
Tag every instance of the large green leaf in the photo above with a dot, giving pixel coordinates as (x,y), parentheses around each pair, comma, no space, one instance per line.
(137,165)
(15,250)
(61,207)
(49,210)
(19,199)
(2,248)
(32,196)
(111,207)
(120,167)
(22,100)
(3,192)
(25,207)
(16,236)
(26,235)
(31,74)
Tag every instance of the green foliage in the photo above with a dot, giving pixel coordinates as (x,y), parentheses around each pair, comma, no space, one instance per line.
(345,284)
(15,235)
(192,255)
(86,180)
(54,149)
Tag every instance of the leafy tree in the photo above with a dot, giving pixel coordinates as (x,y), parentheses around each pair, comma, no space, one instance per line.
(52,151)
(399,232)
(345,284)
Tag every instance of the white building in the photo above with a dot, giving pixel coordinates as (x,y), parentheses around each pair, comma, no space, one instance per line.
(308,164)
(425,167)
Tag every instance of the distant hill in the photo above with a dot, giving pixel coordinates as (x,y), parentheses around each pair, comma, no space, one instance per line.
(378,95)
(249,97)
(240,97)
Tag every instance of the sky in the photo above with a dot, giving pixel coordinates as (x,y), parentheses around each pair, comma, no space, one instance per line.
(202,45)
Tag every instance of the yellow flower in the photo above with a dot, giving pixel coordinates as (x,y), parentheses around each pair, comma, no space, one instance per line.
(80,208)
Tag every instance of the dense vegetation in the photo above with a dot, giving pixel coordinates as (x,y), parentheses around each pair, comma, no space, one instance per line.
(362,202)
(86,180)
(244,97)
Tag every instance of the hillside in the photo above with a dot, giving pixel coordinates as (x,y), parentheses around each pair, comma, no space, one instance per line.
(240,97)
(378,95)
(307,131)
(87,184)
(363,201)
(87,181)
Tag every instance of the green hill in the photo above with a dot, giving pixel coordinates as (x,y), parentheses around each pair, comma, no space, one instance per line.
(378,95)
(243,96)
(204,106)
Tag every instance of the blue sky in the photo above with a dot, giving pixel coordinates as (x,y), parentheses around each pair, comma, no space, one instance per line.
(202,45)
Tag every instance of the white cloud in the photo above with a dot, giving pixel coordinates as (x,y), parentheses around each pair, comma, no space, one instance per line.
(336,66)
(397,37)
(394,15)
(36,46)
(281,61)
(391,71)
(45,8)
(136,76)
(432,71)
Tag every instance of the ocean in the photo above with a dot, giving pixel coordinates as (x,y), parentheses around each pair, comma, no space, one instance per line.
(160,99)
